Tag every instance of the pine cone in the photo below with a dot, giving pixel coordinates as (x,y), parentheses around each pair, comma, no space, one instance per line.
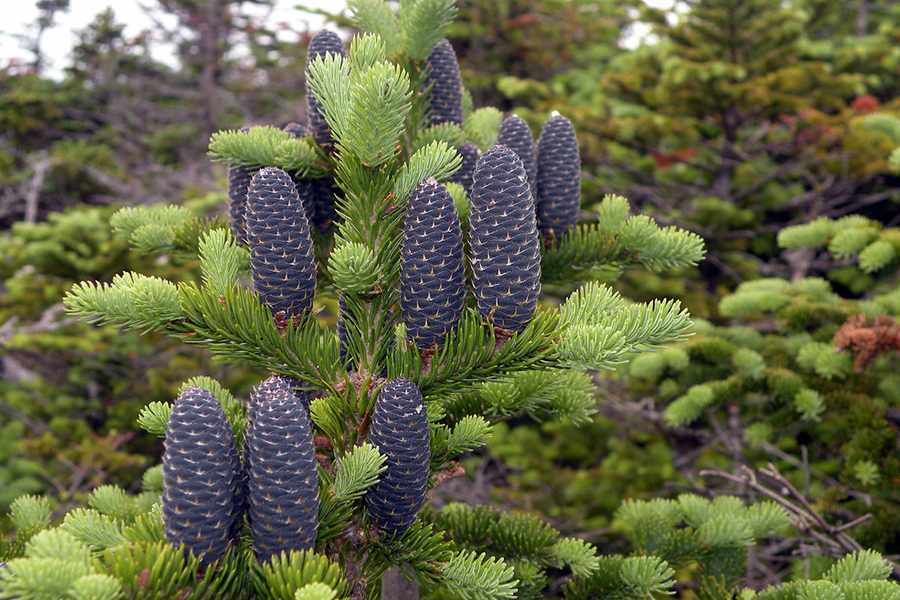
(399,429)
(281,249)
(304,186)
(283,483)
(558,196)
(322,192)
(432,279)
(515,134)
(506,257)
(238,181)
(275,386)
(469,153)
(201,504)
(323,42)
(446,85)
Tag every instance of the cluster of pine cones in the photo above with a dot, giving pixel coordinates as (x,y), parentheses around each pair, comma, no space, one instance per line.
(209,488)
(521,195)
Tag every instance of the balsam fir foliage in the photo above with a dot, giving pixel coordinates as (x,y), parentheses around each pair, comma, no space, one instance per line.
(322,43)
(511,358)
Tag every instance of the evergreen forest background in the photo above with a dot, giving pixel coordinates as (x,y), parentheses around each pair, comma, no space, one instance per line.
(771,129)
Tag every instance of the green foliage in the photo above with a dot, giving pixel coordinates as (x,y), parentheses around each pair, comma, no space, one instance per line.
(264,147)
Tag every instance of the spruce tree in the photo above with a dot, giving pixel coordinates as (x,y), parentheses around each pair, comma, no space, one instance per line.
(340,449)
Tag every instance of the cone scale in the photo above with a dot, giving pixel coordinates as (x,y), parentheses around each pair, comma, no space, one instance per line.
(515,134)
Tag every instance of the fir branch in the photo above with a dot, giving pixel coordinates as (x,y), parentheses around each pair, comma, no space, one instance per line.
(471,576)
(422,25)
(94,529)
(154,418)
(267,146)
(377,17)
(436,160)
(134,300)
(356,472)
(222,261)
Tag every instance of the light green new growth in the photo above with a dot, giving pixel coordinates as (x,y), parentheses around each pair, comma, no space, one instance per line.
(222,261)
(357,471)
(150,228)
(154,418)
(353,269)
(422,25)
(376,16)
(133,300)
(315,591)
(437,160)
(266,146)
(481,127)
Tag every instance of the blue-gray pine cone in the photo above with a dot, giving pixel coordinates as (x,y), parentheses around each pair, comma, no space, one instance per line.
(323,42)
(446,97)
(399,429)
(283,485)
(322,193)
(202,501)
(506,257)
(469,153)
(238,181)
(281,250)
(432,276)
(275,386)
(304,186)
(515,134)
(558,196)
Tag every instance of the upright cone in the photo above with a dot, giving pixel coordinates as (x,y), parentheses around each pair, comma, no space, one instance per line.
(399,430)
(463,176)
(515,134)
(283,486)
(202,503)
(506,256)
(323,42)
(558,195)
(432,279)
(446,98)
(281,249)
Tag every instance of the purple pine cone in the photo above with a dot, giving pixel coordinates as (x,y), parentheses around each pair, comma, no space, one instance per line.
(506,256)
(515,134)
(469,153)
(432,279)
(558,188)
(283,484)
(446,99)
(202,502)
(323,42)
(281,249)
(399,430)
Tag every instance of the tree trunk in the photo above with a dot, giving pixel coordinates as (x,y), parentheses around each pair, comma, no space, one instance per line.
(394,586)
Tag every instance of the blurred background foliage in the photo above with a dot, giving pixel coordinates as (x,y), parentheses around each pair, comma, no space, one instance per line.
(764,126)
